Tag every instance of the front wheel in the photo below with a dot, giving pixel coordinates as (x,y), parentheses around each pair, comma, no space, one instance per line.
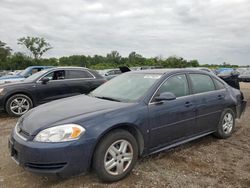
(115,156)
(18,104)
(226,124)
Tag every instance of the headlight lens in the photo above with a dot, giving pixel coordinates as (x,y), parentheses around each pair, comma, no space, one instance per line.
(1,90)
(61,133)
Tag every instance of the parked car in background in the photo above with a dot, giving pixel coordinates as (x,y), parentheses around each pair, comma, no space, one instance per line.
(125,68)
(242,70)
(135,114)
(203,69)
(245,76)
(109,73)
(227,71)
(11,73)
(47,85)
(19,76)
(230,76)
(3,72)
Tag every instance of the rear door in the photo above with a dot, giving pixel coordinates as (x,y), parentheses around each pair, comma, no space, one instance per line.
(173,120)
(210,102)
(79,81)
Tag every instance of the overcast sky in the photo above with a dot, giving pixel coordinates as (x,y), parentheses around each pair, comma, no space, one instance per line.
(212,31)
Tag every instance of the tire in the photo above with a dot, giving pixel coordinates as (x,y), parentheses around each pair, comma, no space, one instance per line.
(118,164)
(18,104)
(226,125)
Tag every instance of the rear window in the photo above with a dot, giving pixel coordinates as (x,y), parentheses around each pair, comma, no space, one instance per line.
(201,83)
(73,74)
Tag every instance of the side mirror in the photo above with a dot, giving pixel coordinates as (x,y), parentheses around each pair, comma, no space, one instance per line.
(45,80)
(167,96)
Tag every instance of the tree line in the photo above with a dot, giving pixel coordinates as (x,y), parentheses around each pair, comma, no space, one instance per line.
(10,60)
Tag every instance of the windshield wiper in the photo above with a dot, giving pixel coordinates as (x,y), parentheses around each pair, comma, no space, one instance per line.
(108,98)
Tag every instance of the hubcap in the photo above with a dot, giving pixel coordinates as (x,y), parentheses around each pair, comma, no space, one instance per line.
(227,123)
(118,157)
(19,105)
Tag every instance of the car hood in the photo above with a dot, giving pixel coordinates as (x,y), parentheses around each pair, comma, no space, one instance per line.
(65,110)
(8,83)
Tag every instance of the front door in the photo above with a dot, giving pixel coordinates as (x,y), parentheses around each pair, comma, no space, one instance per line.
(173,120)
(55,88)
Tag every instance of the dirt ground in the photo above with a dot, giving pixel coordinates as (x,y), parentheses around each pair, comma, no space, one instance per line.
(207,162)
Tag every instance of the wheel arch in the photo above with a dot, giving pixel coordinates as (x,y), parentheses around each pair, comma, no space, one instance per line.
(21,93)
(234,109)
(131,128)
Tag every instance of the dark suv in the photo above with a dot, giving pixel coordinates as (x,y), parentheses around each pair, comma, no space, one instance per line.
(47,85)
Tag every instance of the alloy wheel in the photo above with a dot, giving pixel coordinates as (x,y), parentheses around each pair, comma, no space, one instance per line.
(118,157)
(227,123)
(19,106)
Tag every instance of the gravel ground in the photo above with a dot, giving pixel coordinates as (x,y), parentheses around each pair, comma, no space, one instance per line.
(206,162)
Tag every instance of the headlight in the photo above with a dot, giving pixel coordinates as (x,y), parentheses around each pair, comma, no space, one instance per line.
(61,133)
(1,90)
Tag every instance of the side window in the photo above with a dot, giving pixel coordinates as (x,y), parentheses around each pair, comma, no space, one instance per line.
(218,84)
(73,74)
(201,83)
(178,85)
(56,75)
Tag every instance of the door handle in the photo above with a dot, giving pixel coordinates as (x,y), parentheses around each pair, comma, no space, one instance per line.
(188,104)
(220,97)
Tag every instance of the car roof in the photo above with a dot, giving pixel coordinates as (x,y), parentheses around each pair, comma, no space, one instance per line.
(37,66)
(166,71)
(68,67)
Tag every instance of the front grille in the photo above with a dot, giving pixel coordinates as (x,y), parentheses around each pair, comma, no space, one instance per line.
(24,133)
(52,166)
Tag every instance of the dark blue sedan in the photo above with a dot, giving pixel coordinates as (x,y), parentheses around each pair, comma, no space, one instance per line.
(133,115)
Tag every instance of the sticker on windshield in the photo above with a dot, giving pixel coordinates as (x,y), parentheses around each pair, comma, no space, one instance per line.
(152,76)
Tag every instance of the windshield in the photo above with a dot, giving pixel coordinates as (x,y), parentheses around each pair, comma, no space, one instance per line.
(25,72)
(126,88)
(35,76)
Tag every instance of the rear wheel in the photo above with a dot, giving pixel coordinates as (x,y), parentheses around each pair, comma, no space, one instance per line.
(18,104)
(115,156)
(226,124)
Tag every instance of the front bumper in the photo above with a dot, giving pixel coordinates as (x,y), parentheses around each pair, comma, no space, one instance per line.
(61,159)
